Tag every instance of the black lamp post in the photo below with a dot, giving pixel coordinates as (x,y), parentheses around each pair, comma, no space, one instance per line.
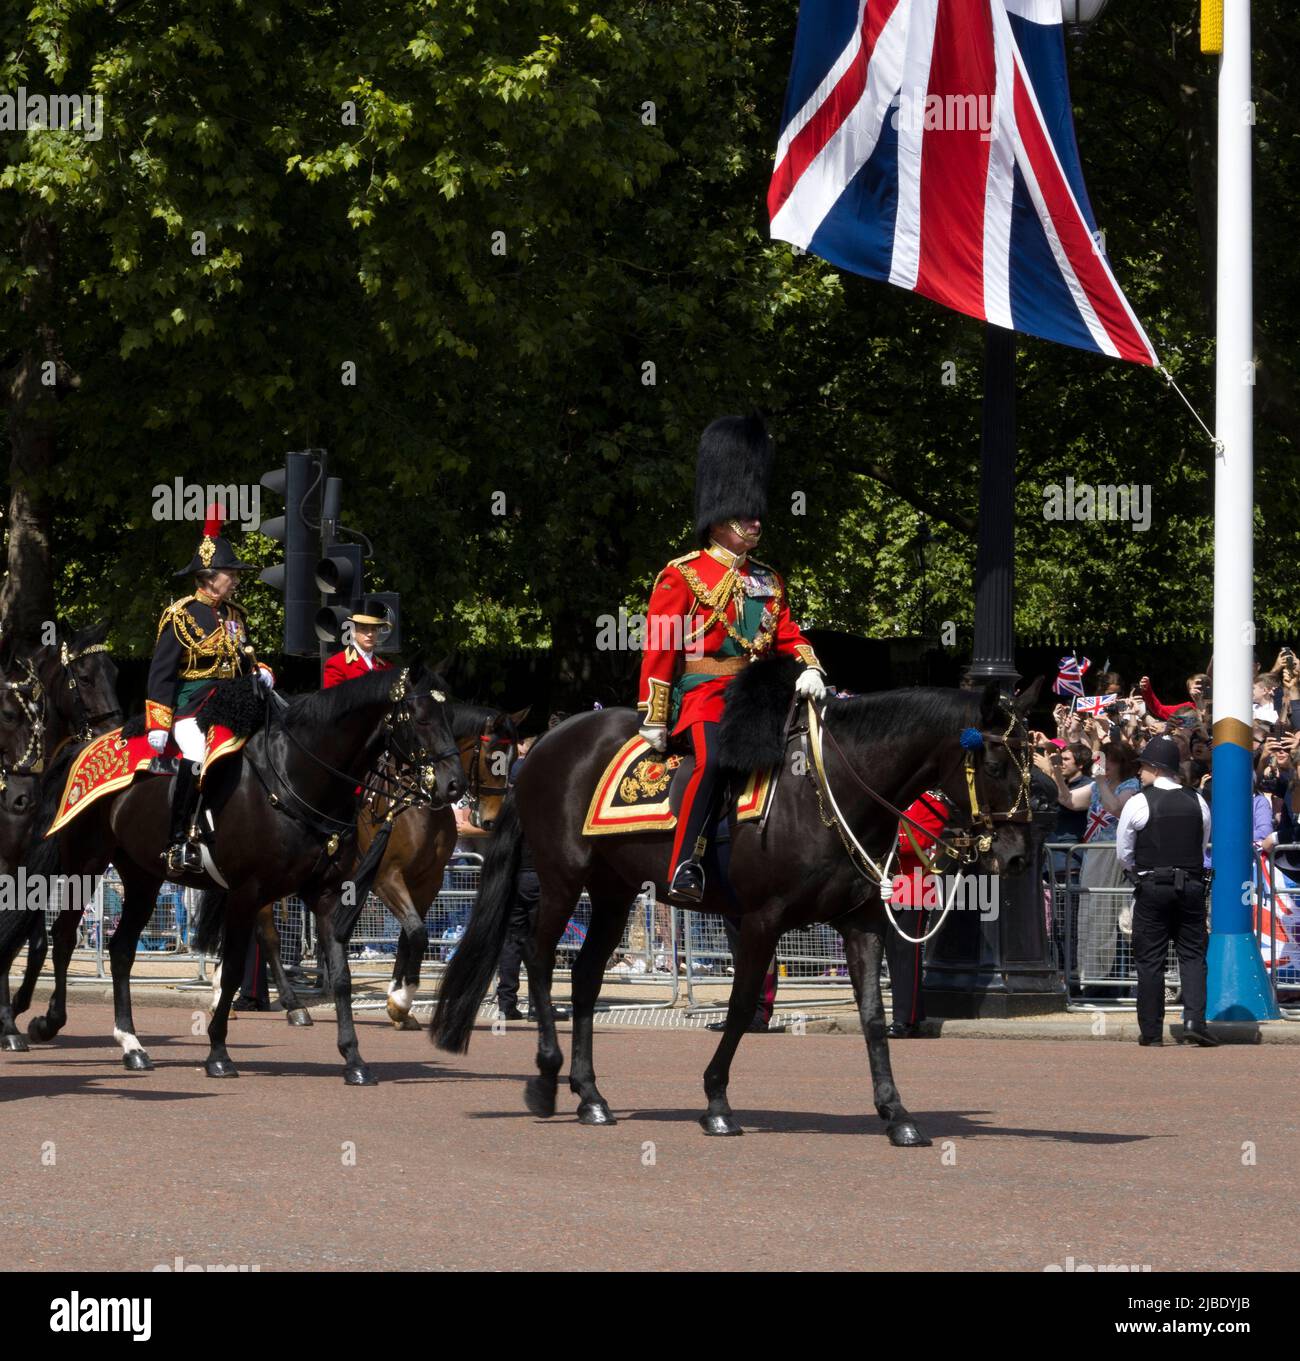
(984,965)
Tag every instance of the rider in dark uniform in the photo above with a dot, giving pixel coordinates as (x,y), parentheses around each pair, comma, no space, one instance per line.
(1162,837)
(202,639)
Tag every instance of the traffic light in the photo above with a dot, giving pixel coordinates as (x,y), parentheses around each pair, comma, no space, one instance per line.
(299,483)
(338,577)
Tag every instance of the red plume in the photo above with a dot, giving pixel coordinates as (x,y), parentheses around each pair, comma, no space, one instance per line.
(212,522)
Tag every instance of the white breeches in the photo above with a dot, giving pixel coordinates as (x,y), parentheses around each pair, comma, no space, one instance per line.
(189,739)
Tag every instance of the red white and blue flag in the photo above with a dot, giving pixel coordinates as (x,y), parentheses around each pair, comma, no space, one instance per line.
(1093,704)
(930,144)
(1070,673)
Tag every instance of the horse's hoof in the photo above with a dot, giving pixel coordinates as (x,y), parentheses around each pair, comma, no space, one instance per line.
(539,1096)
(40,1030)
(137,1061)
(299,1016)
(719,1124)
(407,1022)
(906,1135)
(13,1044)
(595,1113)
(360,1076)
(220,1068)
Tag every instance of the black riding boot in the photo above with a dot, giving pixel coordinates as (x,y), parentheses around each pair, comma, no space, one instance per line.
(182,855)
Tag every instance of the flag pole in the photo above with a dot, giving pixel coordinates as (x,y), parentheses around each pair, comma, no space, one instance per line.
(1238,988)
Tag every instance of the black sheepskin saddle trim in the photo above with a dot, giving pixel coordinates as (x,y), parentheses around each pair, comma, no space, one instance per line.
(237,704)
(134,726)
(753,723)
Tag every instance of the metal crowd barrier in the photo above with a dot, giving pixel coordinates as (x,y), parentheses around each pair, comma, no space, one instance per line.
(812,955)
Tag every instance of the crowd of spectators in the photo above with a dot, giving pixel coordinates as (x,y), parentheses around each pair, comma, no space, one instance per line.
(1093,761)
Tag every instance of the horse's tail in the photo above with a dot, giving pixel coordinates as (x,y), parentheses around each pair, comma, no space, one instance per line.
(209,922)
(479,950)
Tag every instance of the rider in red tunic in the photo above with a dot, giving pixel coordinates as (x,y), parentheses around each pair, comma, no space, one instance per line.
(359,657)
(711,613)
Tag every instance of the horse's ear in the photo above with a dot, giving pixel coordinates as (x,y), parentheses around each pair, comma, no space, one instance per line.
(444,664)
(89,637)
(989,703)
(520,714)
(1028,697)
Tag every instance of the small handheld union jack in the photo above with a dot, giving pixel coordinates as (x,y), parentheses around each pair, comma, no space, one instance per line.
(1093,704)
(1070,679)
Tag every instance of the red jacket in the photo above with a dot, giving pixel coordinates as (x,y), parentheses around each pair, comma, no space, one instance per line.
(682,627)
(932,815)
(1165,711)
(348,665)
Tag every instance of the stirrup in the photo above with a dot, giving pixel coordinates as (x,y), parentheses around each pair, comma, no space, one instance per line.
(687,887)
(183,857)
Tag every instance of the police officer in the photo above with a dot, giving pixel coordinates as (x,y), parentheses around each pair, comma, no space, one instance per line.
(1161,840)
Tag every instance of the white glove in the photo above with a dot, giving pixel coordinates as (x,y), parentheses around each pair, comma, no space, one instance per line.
(656,734)
(266,675)
(810,684)
(158,739)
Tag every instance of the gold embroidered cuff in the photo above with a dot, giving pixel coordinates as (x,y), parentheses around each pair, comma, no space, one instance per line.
(808,657)
(657,706)
(156,716)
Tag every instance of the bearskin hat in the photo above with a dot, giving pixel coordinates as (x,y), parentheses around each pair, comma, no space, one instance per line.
(731,472)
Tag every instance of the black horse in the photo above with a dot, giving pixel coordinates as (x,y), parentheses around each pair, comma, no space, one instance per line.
(796,870)
(282,810)
(50,694)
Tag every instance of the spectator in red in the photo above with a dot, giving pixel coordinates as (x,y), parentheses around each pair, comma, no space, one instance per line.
(1168,712)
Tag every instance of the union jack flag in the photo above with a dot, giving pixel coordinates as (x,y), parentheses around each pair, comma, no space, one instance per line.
(1098,820)
(1072,672)
(930,144)
(1093,704)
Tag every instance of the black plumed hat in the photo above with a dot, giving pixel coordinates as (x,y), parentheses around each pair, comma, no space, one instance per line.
(214,552)
(731,472)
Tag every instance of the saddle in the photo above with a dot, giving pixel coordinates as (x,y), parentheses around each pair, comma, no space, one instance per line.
(641,791)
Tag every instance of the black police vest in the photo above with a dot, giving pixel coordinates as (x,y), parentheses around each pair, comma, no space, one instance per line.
(1174,835)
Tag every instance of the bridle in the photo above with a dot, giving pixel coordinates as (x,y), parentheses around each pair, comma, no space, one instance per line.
(487,742)
(415,779)
(84,727)
(30,695)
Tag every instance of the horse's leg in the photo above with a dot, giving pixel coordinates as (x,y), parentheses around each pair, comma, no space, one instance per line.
(44,1028)
(609,914)
(864,947)
(269,936)
(139,894)
(553,912)
(758,937)
(230,973)
(10,1008)
(356,1073)
(411,946)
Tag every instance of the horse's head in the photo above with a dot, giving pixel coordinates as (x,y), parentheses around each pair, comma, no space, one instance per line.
(80,679)
(988,784)
(488,758)
(420,736)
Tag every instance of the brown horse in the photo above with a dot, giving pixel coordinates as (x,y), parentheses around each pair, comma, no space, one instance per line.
(420,845)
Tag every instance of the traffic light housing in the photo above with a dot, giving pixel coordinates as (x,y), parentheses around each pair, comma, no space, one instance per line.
(338,577)
(299,483)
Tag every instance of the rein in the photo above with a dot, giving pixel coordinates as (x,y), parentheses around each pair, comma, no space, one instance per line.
(965,848)
(86,731)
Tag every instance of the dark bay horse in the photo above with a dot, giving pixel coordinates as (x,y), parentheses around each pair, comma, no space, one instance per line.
(281,809)
(420,845)
(50,694)
(794,872)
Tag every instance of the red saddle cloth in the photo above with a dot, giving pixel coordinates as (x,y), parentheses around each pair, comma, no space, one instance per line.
(112,761)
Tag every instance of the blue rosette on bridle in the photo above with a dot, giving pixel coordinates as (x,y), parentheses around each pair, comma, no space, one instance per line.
(972,740)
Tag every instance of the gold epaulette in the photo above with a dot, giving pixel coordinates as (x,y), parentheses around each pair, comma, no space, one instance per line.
(676,562)
(171,611)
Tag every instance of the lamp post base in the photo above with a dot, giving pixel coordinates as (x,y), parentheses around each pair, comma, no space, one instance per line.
(1238,987)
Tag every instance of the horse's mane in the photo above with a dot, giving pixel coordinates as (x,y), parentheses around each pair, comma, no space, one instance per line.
(869,718)
(320,708)
(467,720)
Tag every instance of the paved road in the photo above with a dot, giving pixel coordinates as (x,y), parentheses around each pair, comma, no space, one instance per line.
(1043,1151)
